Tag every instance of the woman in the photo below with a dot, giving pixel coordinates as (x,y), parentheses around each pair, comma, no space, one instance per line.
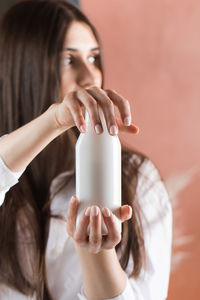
(51,72)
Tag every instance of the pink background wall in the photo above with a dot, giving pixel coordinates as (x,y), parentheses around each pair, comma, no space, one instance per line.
(152,57)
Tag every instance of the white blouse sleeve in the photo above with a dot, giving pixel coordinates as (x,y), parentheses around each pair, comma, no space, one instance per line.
(6,293)
(152,284)
(7,179)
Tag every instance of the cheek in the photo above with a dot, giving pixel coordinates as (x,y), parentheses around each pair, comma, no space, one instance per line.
(99,79)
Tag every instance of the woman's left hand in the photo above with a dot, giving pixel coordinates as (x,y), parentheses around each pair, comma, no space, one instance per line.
(95,242)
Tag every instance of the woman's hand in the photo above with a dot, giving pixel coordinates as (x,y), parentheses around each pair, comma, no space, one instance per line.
(95,242)
(70,112)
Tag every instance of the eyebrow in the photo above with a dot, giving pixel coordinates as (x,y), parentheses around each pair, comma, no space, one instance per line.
(76,50)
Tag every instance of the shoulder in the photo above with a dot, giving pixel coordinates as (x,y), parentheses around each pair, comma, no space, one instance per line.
(136,165)
(145,167)
(152,197)
(150,182)
(140,166)
(151,193)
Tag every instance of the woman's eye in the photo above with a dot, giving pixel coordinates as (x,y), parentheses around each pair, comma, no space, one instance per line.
(91,59)
(67,61)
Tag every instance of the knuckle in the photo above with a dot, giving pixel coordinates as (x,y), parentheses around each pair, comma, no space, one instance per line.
(91,103)
(67,99)
(82,243)
(117,238)
(112,91)
(78,239)
(75,110)
(108,91)
(103,92)
(110,104)
(94,250)
(79,90)
(95,88)
(94,241)
(79,93)
(126,102)
(78,117)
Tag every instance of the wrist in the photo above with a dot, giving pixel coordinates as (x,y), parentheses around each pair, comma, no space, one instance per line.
(53,121)
(103,267)
(84,253)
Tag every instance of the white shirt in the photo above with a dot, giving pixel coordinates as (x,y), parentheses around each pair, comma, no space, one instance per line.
(63,267)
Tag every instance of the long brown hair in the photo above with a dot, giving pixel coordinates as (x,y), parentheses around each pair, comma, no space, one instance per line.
(31,39)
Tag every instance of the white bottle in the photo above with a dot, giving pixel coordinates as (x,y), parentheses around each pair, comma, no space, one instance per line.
(98,171)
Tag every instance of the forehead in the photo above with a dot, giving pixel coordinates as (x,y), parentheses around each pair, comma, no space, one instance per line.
(80,36)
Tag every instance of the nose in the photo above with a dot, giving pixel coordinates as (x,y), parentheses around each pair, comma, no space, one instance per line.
(87,76)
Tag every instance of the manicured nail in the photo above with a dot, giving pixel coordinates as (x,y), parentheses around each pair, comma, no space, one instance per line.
(98,129)
(113,130)
(73,199)
(129,210)
(106,212)
(87,212)
(127,121)
(94,211)
(83,128)
(138,130)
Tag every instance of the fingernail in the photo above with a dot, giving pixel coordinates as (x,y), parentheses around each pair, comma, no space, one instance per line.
(138,130)
(73,199)
(87,212)
(129,210)
(98,129)
(83,128)
(106,212)
(113,130)
(127,121)
(94,211)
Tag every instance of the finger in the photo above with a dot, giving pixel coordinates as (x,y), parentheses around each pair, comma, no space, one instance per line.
(107,106)
(114,236)
(125,213)
(73,105)
(71,215)
(95,238)
(123,106)
(80,235)
(129,129)
(92,109)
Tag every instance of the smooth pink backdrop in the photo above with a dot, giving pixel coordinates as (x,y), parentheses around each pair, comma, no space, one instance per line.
(152,57)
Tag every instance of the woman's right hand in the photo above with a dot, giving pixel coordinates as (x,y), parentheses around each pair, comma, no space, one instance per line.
(70,112)
(32,138)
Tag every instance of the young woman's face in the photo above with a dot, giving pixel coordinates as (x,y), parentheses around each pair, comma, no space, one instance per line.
(80,59)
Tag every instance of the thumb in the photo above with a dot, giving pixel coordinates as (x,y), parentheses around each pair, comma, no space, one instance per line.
(129,129)
(125,213)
